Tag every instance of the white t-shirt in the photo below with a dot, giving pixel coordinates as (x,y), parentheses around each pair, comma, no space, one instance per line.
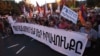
(10,19)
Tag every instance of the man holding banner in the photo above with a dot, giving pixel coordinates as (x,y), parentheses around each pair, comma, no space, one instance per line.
(92,36)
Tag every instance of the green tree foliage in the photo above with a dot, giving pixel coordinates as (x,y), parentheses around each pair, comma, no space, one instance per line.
(7,7)
(93,3)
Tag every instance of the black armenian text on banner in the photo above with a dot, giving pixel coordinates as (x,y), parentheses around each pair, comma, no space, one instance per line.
(55,39)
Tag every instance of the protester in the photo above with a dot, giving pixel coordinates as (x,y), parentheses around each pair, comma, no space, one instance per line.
(92,36)
(6,26)
(2,36)
(19,19)
(1,47)
(2,28)
(97,22)
(70,26)
(92,26)
(63,24)
(52,24)
(77,26)
(10,20)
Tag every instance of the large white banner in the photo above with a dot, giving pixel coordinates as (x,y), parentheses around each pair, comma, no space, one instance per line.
(69,14)
(66,42)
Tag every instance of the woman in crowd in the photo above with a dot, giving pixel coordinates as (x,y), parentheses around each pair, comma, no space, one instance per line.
(63,23)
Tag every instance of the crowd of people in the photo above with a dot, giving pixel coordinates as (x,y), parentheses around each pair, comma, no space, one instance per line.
(54,20)
(91,27)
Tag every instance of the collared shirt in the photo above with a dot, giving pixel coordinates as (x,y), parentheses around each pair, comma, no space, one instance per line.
(92,33)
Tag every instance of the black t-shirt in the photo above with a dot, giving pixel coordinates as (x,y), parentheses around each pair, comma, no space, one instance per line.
(6,24)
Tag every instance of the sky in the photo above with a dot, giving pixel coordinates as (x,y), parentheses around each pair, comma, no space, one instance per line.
(40,2)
